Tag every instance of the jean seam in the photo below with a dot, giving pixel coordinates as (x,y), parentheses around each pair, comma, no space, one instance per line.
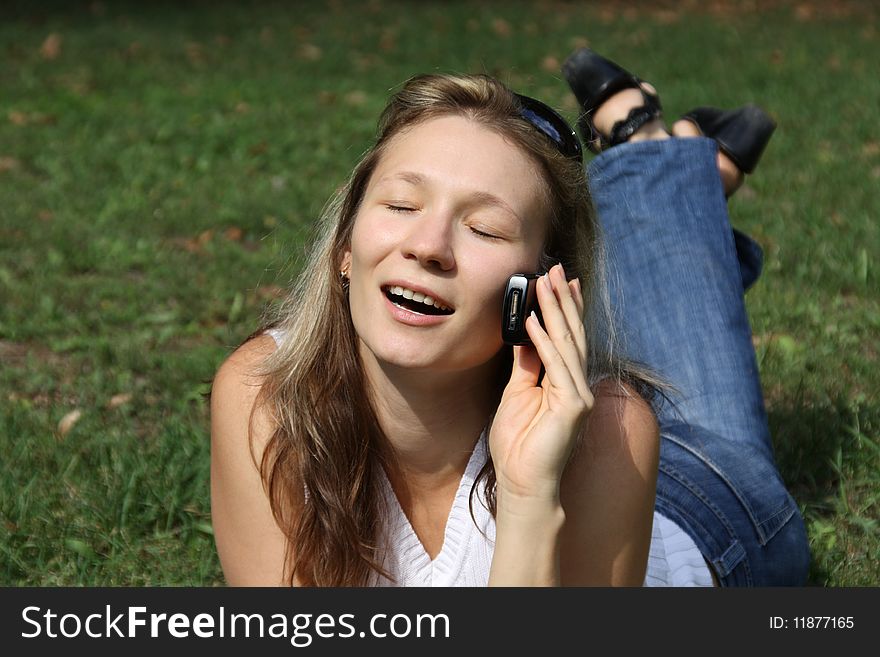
(719,514)
(759,525)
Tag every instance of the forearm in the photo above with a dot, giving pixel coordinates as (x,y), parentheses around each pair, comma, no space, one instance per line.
(527,543)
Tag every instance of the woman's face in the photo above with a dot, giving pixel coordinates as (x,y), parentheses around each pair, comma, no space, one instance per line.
(451,211)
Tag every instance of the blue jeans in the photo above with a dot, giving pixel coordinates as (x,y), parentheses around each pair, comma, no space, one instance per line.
(677,276)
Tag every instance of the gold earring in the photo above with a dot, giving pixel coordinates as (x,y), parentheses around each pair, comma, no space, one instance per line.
(343,279)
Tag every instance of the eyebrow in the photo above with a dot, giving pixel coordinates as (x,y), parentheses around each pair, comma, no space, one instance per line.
(482,198)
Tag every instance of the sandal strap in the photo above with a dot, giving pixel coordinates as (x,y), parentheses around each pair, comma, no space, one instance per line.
(622,130)
(637,117)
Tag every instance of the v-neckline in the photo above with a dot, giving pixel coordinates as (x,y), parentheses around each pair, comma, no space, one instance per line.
(453,529)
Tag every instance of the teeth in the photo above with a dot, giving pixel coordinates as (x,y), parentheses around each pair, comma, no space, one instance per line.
(416,296)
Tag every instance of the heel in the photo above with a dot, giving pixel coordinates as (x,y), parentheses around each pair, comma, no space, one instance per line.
(742,134)
(593,80)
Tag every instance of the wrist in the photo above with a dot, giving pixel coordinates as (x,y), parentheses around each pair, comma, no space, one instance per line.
(540,497)
(545,512)
(527,544)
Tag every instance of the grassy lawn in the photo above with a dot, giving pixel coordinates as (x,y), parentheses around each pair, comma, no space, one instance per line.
(160,168)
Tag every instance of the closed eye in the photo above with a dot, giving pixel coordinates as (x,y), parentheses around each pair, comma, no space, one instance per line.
(479,232)
(399,208)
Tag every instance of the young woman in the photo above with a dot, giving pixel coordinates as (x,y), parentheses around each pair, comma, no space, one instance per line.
(379,432)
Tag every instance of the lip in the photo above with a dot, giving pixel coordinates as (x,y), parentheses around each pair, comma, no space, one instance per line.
(408,317)
(418,288)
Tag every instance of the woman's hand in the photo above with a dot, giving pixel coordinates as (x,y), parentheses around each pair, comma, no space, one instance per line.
(536,425)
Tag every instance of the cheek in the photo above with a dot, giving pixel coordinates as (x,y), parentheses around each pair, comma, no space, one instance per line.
(371,240)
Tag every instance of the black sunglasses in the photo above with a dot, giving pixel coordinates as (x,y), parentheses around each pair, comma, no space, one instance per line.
(551,124)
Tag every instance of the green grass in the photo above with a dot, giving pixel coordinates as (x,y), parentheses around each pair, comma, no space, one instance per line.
(160,168)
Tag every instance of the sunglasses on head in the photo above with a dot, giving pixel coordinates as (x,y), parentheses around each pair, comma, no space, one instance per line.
(551,124)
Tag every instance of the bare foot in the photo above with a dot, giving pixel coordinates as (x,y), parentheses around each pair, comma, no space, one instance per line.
(731,177)
(617,108)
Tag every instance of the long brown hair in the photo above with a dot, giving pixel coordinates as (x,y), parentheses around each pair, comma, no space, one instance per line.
(322,467)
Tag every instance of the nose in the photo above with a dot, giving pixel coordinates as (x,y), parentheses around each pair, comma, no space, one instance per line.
(429,241)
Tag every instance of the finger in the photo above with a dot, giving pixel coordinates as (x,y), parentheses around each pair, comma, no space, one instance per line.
(526,368)
(556,369)
(569,340)
(578,296)
(573,313)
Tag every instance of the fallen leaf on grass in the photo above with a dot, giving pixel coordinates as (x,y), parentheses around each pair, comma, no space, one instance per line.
(8,163)
(119,400)
(22,118)
(67,422)
(327,97)
(233,234)
(501,27)
(17,118)
(51,47)
(388,40)
(310,52)
(193,244)
(871,148)
(259,148)
(356,98)
(550,64)
(804,12)
(194,52)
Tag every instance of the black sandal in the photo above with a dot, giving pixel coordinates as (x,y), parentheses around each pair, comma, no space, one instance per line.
(742,134)
(594,79)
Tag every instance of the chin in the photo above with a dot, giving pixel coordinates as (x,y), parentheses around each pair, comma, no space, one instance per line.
(428,356)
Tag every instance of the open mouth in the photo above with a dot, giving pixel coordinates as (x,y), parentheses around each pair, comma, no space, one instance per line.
(415,302)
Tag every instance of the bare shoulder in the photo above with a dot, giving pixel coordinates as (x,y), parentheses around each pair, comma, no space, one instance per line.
(239,372)
(621,419)
(237,384)
(249,542)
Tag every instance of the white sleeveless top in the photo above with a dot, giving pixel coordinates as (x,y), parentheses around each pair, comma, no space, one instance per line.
(469,542)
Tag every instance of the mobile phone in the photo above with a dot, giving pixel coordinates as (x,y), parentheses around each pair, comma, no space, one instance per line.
(520,299)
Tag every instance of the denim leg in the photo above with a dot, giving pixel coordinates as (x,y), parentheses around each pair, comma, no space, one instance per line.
(677,276)
(732,502)
(676,283)
(750,256)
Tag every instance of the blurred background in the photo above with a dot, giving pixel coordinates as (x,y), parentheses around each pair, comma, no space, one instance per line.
(161,164)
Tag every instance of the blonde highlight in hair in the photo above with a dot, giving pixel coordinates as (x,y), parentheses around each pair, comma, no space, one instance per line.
(323,465)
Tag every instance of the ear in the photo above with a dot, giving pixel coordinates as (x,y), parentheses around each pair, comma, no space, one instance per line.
(345,263)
